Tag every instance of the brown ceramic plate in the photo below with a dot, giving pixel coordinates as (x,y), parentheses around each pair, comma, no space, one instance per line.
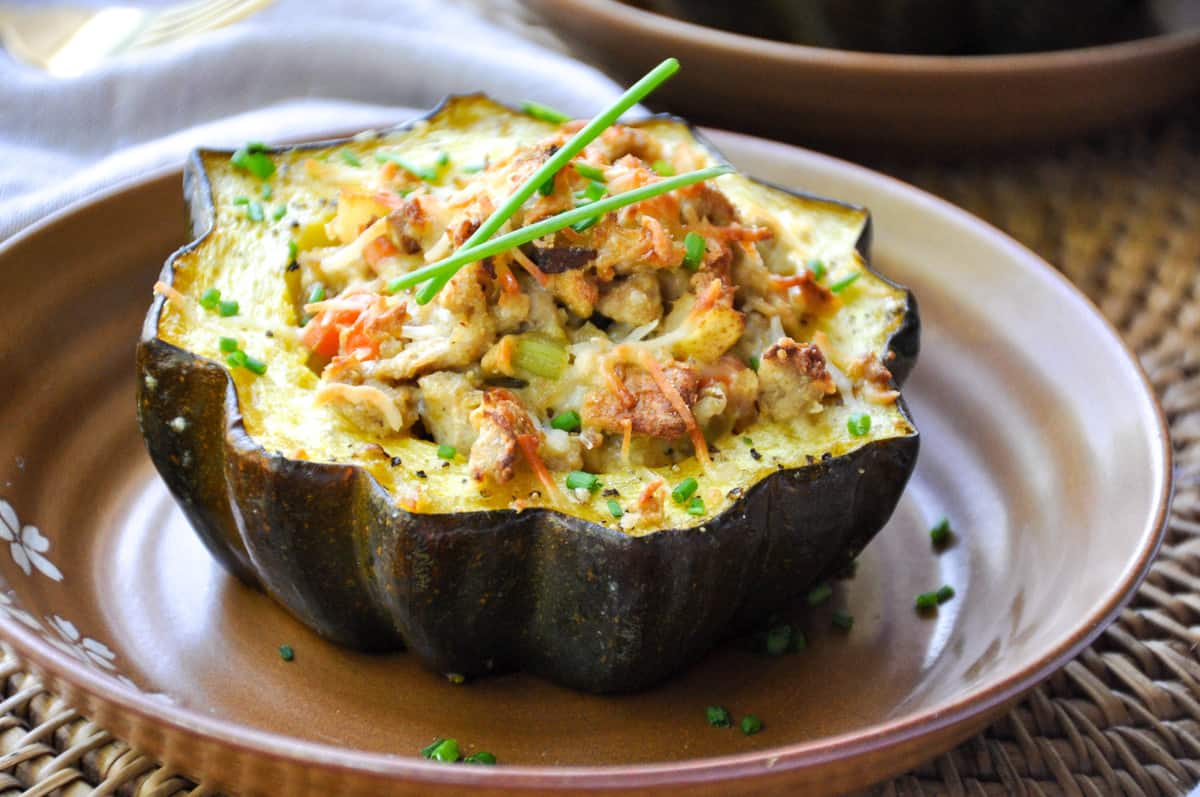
(880,103)
(1042,443)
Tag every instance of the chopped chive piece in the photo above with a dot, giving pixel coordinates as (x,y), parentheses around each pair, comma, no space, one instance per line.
(254,211)
(443,158)
(236,359)
(482,757)
(423,172)
(286,653)
(615,509)
(754,362)
(293,251)
(316,294)
(228,345)
(799,642)
(748,441)
(349,158)
(540,356)
(580,226)
(568,421)
(447,452)
(444,750)
(819,594)
(696,506)
(843,620)
(267,191)
(778,640)
(255,365)
(251,158)
(241,200)
(279,213)
(926,601)
(227,307)
(859,424)
(694,246)
(210,299)
(547,188)
(718,717)
(945,593)
(544,112)
(845,282)
(684,490)
(595,190)
(581,478)
(439,274)
(473,168)
(589,171)
(940,534)
(751,725)
(663,169)
(817,268)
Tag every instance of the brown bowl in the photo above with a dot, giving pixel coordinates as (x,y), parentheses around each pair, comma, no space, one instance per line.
(874,103)
(1043,445)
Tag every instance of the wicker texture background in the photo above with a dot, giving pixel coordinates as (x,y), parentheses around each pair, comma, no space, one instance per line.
(1121,216)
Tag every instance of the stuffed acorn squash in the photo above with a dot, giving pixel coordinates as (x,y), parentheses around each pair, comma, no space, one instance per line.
(588,457)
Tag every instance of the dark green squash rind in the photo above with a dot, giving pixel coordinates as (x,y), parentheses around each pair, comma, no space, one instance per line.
(574,601)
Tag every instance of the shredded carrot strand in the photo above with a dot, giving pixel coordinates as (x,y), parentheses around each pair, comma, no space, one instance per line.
(626,438)
(508,281)
(783,283)
(389,171)
(542,278)
(529,447)
(174,296)
(656,373)
(712,292)
(613,380)
(649,491)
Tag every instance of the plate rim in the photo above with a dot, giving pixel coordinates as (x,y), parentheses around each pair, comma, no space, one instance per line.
(767,762)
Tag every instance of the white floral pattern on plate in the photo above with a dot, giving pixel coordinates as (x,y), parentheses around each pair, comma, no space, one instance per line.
(27,545)
(84,648)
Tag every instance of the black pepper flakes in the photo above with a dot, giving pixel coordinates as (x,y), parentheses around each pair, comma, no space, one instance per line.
(397,462)
(754,453)
(610,492)
(422,474)
(293,266)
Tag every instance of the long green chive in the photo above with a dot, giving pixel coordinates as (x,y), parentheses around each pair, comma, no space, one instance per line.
(349,158)
(595,190)
(447,452)
(286,653)
(236,359)
(926,601)
(210,299)
(717,716)
(858,424)
(254,211)
(227,308)
(316,293)
(589,171)
(819,594)
(279,213)
(581,478)
(425,173)
(547,188)
(482,757)
(255,366)
(544,112)
(228,345)
(663,169)
(694,246)
(568,421)
(696,506)
(944,593)
(580,226)
(444,750)
(843,620)
(251,158)
(615,509)
(817,268)
(684,490)
(751,725)
(633,95)
(940,534)
(845,282)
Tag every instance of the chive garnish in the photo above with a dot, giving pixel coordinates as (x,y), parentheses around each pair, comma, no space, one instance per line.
(447,452)
(236,359)
(293,251)
(568,421)
(252,158)
(547,187)
(684,490)
(751,725)
(254,211)
(778,640)
(589,171)
(423,172)
(442,159)
(717,716)
(696,506)
(615,509)
(694,246)
(580,226)
(940,534)
(843,620)
(316,293)
(228,345)
(544,112)
(753,362)
(819,594)
(444,750)
(438,277)
(595,190)
(944,593)
(581,478)
(254,365)
(845,282)
(799,642)
(349,158)
(227,307)
(663,169)
(858,424)
(817,267)
(241,200)
(748,441)
(482,757)
(286,653)
(210,299)
(926,601)
(279,213)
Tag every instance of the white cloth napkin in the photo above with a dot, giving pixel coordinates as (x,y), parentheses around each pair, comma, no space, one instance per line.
(297,69)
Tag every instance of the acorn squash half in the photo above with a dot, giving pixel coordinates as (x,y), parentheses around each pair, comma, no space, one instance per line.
(382,534)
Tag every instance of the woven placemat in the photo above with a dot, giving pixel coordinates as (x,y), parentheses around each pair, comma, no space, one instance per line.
(1120,215)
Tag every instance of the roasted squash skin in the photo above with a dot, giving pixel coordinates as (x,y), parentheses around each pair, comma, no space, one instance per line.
(473,592)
